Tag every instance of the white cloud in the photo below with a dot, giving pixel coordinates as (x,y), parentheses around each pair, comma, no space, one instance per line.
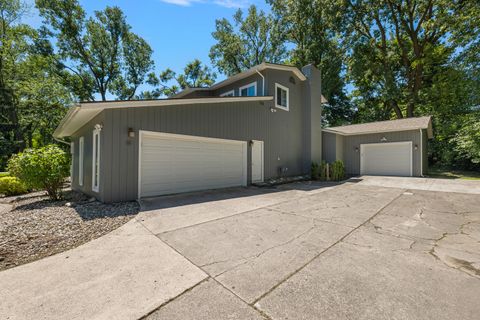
(223,3)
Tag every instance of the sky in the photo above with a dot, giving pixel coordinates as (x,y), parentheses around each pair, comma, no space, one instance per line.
(177,30)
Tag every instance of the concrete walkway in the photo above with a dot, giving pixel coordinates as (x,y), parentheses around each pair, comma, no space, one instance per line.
(428,184)
(123,275)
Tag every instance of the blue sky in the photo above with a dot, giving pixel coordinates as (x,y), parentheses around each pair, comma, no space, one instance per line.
(177,30)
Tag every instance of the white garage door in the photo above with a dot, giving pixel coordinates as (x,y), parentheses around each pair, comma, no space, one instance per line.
(171,163)
(386,159)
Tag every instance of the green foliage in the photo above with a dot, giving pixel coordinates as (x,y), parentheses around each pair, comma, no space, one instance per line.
(11,186)
(4,174)
(467,140)
(45,168)
(323,170)
(195,75)
(314,171)
(100,52)
(315,27)
(250,41)
(337,170)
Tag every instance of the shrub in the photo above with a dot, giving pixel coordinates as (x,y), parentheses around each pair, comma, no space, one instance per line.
(314,171)
(4,174)
(11,186)
(323,170)
(45,168)
(337,170)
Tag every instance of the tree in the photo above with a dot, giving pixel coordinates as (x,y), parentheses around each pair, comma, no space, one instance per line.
(195,75)
(314,27)
(33,99)
(401,42)
(100,50)
(248,42)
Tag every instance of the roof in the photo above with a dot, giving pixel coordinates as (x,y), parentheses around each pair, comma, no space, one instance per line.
(245,74)
(81,113)
(405,124)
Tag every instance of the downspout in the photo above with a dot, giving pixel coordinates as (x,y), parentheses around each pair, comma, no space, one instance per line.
(421,153)
(263,81)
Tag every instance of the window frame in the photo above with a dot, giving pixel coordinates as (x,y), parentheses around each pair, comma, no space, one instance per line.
(96,156)
(81,154)
(230,93)
(253,84)
(72,155)
(287,90)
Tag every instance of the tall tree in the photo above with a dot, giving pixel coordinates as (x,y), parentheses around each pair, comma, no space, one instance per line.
(100,50)
(400,41)
(33,99)
(250,41)
(195,75)
(314,27)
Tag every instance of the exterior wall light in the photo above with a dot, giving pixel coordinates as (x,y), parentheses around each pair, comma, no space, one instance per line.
(131,133)
(356,149)
(416,147)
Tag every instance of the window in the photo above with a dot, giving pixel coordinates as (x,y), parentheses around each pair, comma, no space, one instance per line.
(230,93)
(81,145)
(96,159)
(281,97)
(250,90)
(72,152)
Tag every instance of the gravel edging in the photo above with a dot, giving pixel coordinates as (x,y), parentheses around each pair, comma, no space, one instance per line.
(37,227)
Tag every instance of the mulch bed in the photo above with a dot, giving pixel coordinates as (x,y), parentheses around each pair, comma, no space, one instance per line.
(37,227)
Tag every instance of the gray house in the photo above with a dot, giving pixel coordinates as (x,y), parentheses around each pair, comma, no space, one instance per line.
(259,124)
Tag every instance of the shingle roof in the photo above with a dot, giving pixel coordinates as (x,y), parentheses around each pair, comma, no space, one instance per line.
(385,126)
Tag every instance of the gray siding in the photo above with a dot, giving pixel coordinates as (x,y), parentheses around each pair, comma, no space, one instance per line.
(329,147)
(352,157)
(236,121)
(87,132)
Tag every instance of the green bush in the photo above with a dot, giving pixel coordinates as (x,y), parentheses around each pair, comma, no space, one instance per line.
(45,168)
(337,170)
(4,174)
(11,186)
(315,171)
(323,170)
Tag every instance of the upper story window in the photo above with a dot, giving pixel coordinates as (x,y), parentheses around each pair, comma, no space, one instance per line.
(230,93)
(250,90)
(281,97)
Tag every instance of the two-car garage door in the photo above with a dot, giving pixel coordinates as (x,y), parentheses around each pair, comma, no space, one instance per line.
(171,163)
(386,159)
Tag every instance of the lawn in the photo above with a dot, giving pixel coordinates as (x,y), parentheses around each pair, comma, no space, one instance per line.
(444,173)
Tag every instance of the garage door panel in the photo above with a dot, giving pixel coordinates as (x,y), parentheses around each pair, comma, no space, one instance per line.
(394,158)
(175,163)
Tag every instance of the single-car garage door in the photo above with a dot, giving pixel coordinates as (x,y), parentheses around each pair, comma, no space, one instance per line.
(171,163)
(387,159)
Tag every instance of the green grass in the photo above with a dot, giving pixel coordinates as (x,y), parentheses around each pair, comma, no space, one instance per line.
(4,174)
(444,173)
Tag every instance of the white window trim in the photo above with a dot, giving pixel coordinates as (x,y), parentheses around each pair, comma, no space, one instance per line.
(81,153)
(287,108)
(254,84)
(72,153)
(96,188)
(231,92)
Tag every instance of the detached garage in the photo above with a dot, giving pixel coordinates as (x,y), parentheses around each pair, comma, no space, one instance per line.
(387,148)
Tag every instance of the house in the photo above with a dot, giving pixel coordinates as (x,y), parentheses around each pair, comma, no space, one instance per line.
(395,147)
(262,123)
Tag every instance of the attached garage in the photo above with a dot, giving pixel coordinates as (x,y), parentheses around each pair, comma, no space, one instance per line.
(386,148)
(172,163)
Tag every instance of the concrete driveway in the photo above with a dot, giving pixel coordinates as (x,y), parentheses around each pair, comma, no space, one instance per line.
(358,250)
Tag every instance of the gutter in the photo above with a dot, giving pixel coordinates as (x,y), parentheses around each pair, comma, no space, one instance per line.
(263,81)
